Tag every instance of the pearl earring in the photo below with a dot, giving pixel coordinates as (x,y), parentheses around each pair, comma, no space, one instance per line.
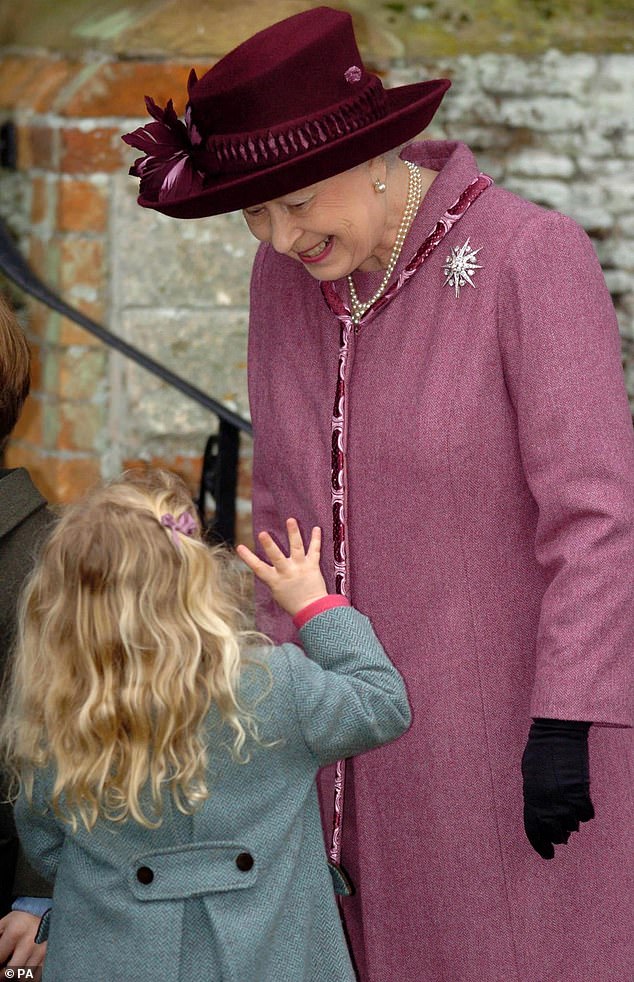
(380,186)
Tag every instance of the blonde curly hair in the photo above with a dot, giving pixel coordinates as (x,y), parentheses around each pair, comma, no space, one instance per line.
(129,633)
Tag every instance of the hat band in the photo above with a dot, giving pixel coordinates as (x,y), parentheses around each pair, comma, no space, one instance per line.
(245,153)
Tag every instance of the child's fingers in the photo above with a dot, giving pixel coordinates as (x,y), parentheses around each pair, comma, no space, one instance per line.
(314,546)
(271,550)
(262,570)
(295,539)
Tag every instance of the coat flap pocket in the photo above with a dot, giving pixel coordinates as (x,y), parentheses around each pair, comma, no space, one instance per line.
(192,871)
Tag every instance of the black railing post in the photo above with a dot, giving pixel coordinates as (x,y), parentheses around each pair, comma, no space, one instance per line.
(8,146)
(220,479)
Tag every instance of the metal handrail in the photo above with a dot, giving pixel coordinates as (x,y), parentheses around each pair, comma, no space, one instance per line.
(216,479)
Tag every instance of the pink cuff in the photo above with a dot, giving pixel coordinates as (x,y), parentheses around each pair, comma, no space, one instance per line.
(317,607)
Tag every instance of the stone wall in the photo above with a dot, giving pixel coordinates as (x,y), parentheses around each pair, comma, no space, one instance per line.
(557,128)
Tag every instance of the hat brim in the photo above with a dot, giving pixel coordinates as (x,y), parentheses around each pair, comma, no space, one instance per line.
(411,109)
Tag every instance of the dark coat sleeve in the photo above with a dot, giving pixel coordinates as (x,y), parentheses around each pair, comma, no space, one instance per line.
(17,553)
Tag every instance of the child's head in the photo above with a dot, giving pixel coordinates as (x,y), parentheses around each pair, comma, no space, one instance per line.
(128,634)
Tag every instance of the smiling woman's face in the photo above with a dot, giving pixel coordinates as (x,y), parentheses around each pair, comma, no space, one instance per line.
(333,227)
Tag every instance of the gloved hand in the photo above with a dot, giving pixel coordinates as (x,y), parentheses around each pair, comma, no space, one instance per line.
(556,782)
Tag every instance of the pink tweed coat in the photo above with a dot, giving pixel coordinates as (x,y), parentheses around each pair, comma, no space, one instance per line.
(490,534)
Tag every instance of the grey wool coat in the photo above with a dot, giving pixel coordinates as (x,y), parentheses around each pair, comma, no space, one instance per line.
(240,891)
(24,520)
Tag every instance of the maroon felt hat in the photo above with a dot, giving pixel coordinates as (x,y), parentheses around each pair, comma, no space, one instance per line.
(291,106)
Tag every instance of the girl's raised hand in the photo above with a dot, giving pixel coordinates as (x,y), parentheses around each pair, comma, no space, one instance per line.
(294,580)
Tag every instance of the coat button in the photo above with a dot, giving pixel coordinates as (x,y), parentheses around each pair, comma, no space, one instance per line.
(144,874)
(244,862)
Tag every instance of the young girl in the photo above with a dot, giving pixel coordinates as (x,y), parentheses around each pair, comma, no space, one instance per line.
(168,764)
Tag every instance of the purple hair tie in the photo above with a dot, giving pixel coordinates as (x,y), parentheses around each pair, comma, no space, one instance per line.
(185,524)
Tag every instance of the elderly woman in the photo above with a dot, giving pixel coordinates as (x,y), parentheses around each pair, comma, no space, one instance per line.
(468,344)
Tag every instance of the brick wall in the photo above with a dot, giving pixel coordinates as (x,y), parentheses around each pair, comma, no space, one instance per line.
(69,117)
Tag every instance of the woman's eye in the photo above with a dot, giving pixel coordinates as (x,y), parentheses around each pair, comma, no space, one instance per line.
(253,212)
(299,205)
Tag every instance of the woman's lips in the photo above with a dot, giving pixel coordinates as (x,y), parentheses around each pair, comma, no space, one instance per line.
(326,249)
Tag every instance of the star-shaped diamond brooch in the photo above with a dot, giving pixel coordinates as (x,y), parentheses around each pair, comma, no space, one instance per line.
(460,267)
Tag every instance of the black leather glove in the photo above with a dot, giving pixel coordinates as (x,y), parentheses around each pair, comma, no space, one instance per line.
(556,782)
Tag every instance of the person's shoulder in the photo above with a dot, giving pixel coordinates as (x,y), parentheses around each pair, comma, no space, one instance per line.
(17,483)
(265,669)
(279,286)
(515,217)
(25,519)
(269,661)
(268,261)
(268,689)
(499,199)
(275,274)
(271,675)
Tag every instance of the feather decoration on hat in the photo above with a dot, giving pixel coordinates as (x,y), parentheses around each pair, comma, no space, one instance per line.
(167,170)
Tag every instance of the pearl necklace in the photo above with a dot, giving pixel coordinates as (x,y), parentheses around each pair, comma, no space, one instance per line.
(414,193)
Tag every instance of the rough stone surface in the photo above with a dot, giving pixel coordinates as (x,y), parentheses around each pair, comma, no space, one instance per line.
(385,30)
(181,294)
(198,263)
(537,163)
(554,73)
(208,348)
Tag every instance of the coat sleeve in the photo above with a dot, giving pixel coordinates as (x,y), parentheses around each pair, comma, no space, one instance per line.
(28,883)
(561,352)
(348,696)
(41,834)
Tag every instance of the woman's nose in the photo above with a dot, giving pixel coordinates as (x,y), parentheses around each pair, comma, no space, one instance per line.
(284,232)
